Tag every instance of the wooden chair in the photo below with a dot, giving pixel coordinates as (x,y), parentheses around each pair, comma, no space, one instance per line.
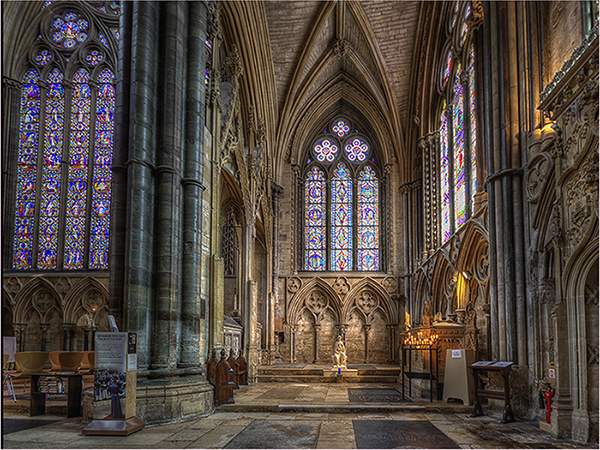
(87,361)
(70,361)
(31,362)
(54,361)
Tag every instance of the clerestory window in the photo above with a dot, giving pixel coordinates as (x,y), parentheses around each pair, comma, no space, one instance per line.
(64,177)
(341,198)
(458,127)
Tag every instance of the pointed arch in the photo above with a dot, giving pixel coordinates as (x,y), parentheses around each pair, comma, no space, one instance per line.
(386,304)
(23,300)
(297,303)
(76,303)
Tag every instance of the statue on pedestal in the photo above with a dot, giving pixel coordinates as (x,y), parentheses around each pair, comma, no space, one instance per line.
(339,354)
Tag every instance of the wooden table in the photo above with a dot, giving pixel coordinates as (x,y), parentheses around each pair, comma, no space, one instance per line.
(503,368)
(73,388)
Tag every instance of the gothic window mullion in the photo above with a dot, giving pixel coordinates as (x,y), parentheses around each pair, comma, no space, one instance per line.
(354,222)
(64,183)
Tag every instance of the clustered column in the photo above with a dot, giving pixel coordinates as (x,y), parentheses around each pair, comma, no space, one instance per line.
(160,127)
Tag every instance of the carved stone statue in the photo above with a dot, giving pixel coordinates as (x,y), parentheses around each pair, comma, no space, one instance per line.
(339,354)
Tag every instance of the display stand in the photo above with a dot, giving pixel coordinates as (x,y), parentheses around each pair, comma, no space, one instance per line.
(431,348)
(457,378)
(116,361)
(503,368)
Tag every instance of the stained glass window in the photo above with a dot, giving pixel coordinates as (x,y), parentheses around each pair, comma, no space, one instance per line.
(341,128)
(27,171)
(102,180)
(326,150)
(368,220)
(460,188)
(341,183)
(458,133)
(473,123)
(51,171)
(64,178)
(316,220)
(357,150)
(78,171)
(341,227)
(445,176)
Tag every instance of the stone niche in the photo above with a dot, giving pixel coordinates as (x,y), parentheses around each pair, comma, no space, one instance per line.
(363,310)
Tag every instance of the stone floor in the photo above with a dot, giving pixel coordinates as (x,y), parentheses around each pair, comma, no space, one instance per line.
(276,415)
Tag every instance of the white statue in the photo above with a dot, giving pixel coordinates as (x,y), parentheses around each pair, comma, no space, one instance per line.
(339,354)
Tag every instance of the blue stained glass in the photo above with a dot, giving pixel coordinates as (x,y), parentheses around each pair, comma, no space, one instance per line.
(445,176)
(26,171)
(341,128)
(368,220)
(326,150)
(52,172)
(357,150)
(341,209)
(101,179)
(473,124)
(315,220)
(460,188)
(102,39)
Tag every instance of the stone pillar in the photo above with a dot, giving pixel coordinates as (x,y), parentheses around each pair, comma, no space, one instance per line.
(140,202)
(293,329)
(120,189)
(367,329)
(250,327)
(44,327)
(277,310)
(165,335)
(11,101)
(19,329)
(216,309)
(191,269)
(69,329)
(391,329)
(317,328)
(427,199)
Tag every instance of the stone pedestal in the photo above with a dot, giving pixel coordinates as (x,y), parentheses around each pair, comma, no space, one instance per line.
(339,373)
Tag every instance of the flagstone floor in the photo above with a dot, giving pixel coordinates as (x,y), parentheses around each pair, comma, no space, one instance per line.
(293,416)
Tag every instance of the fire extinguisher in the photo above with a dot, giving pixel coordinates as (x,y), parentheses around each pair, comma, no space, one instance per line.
(548,397)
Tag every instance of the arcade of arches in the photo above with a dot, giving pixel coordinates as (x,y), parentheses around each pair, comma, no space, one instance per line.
(271,175)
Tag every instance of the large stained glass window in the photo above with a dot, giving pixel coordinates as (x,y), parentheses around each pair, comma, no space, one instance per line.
(458,129)
(341,211)
(316,220)
(27,171)
(368,223)
(62,219)
(341,179)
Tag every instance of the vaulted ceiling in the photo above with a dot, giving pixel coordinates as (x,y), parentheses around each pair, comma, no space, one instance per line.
(329,57)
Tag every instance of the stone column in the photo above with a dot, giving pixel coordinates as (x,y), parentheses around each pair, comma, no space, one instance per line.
(367,329)
(69,329)
(19,329)
(423,145)
(191,269)
(293,329)
(140,202)
(391,329)
(277,311)
(11,96)
(120,198)
(165,335)
(44,327)
(250,327)
(317,328)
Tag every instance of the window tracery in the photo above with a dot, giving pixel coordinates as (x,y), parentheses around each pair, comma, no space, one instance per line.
(62,218)
(458,128)
(341,179)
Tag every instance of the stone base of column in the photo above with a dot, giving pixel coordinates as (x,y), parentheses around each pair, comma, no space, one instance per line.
(562,419)
(164,400)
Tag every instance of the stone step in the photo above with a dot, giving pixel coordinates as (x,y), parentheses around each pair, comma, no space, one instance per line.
(293,371)
(422,407)
(307,378)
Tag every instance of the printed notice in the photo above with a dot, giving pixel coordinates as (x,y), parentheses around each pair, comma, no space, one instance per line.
(111,351)
(457,353)
(131,363)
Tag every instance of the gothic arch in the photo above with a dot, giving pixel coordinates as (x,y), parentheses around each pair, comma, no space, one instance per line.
(422,294)
(298,302)
(385,304)
(442,284)
(77,302)
(24,299)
